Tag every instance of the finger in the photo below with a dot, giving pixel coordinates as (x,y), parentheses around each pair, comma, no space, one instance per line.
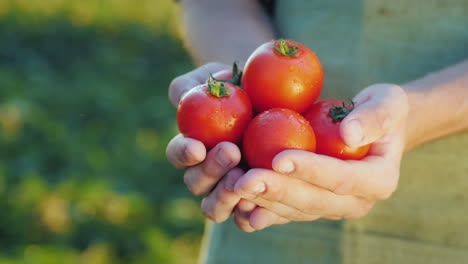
(281,210)
(220,203)
(262,218)
(242,215)
(201,178)
(182,84)
(249,217)
(360,178)
(267,189)
(223,75)
(379,109)
(182,152)
(246,206)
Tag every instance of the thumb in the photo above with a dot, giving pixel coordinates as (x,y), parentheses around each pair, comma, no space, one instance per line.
(182,84)
(380,109)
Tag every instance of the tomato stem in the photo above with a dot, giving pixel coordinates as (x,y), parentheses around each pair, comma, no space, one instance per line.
(284,49)
(236,76)
(217,88)
(338,113)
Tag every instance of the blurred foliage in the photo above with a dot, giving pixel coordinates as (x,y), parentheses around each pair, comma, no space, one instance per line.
(84,122)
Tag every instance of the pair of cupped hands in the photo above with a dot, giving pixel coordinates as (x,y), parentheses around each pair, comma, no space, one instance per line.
(302,186)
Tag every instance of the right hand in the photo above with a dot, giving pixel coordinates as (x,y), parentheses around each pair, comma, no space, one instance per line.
(205,171)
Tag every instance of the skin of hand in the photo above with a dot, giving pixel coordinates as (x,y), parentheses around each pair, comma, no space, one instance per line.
(204,175)
(305,186)
(445,89)
(381,111)
(204,170)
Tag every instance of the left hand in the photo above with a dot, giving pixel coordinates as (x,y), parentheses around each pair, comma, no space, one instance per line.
(305,186)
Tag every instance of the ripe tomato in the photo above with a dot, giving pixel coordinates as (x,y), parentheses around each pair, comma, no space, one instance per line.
(214,112)
(273,131)
(283,74)
(325,117)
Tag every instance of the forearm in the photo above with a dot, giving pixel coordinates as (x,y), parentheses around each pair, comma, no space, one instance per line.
(223,30)
(438,105)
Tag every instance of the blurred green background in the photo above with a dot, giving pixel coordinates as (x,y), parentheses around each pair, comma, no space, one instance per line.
(84,122)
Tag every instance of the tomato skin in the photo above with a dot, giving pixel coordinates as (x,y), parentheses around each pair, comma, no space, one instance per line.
(275,80)
(327,132)
(210,119)
(273,131)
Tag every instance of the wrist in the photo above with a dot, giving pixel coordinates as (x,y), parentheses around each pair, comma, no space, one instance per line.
(438,105)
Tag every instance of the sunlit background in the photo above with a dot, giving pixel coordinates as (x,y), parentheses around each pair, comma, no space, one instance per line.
(84,122)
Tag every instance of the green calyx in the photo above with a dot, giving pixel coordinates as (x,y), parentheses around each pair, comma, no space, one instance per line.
(284,49)
(217,88)
(338,113)
(236,76)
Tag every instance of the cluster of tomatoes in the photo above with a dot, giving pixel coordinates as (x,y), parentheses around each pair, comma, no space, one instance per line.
(275,109)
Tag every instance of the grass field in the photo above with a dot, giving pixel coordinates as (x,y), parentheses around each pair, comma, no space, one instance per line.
(84,122)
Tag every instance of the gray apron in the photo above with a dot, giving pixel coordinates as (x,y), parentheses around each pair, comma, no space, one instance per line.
(361,42)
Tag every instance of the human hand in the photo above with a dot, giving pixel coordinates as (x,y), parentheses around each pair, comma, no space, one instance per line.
(205,170)
(304,186)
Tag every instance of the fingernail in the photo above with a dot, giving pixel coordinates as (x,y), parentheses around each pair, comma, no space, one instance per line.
(355,136)
(259,188)
(222,158)
(286,167)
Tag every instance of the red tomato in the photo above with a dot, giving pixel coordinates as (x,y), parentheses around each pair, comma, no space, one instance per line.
(214,112)
(283,74)
(325,117)
(273,131)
